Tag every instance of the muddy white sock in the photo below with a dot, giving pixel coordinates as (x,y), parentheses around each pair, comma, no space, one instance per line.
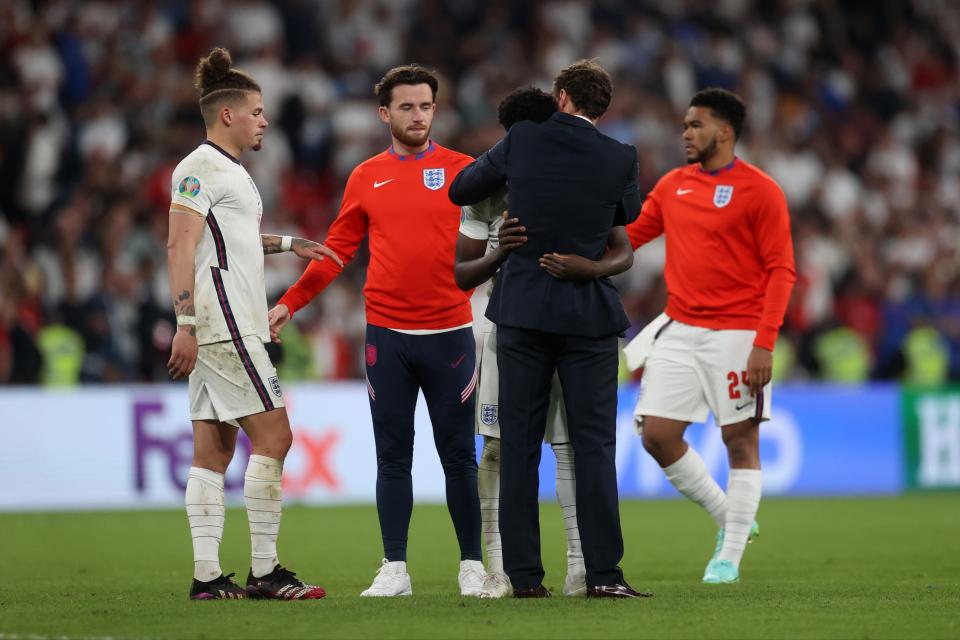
(204,502)
(263,497)
(488,486)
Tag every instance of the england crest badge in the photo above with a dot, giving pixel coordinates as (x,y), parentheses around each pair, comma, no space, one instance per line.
(723,195)
(434,179)
(488,414)
(275,386)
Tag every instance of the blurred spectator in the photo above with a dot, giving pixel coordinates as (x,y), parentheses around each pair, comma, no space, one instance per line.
(854,110)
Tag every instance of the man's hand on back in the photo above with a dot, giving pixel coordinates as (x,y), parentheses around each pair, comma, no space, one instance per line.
(511,235)
(565,266)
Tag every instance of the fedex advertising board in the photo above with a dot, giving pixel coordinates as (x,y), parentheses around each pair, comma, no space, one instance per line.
(130,447)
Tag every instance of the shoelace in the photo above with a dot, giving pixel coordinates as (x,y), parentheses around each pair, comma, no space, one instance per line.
(225,583)
(470,571)
(385,576)
(225,579)
(284,573)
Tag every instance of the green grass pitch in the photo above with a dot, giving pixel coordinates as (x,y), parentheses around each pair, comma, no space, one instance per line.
(832,568)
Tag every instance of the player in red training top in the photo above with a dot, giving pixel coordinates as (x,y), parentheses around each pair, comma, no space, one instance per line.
(419,333)
(729,272)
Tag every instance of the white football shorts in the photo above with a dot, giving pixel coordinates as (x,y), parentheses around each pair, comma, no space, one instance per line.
(692,371)
(232,380)
(488,394)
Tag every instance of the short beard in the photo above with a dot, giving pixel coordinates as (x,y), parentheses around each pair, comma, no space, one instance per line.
(407,140)
(708,152)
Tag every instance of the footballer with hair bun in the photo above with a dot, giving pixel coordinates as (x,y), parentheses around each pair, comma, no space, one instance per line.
(215,262)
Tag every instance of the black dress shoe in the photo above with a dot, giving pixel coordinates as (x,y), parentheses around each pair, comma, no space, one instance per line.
(620,590)
(538,591)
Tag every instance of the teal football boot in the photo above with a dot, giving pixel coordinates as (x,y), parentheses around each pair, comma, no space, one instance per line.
(721,572)
(754,534)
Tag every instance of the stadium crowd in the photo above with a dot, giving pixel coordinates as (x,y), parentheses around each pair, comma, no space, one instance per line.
(854,110)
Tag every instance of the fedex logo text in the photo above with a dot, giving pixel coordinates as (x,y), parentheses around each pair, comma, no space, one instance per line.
(309,465)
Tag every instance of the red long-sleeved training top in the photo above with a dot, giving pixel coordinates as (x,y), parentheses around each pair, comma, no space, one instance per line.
(402,202)
(729,258)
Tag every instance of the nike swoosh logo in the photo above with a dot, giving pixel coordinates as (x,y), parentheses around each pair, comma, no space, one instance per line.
(456,363)
(683,192)
(377,185)
(744,406)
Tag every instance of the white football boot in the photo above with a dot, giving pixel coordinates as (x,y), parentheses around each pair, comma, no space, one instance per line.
(392,579)
(496,585)
(471,578)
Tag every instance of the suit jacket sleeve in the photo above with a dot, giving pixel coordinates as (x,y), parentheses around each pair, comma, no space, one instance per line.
(481,178)
(629,207)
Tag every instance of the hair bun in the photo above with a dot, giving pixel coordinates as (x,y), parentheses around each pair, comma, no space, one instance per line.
(213,69)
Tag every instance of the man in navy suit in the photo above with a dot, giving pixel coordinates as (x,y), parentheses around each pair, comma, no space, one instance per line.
(571,187)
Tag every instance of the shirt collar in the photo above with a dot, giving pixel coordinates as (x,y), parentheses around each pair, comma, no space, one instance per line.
(221,150)
(418,156)
(722,169)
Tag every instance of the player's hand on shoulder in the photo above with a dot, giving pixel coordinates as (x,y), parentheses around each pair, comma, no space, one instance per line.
(566,266)
(278,317)
(511,234)
(183,352)
(759,369)
(314,250)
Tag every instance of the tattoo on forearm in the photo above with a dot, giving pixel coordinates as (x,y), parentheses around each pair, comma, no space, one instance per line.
(183,305)
(271,243)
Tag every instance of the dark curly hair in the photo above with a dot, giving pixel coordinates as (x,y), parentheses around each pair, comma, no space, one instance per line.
(411,74)
(724,105)
(526,103)
(219,82)
(588,85)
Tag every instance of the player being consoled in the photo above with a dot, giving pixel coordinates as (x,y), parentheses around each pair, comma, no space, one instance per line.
(487,236)
(215,262)
(419,334)
(729,272)
(571,187)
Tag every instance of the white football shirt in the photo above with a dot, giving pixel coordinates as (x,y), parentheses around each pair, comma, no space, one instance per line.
(229,290)
(482,221)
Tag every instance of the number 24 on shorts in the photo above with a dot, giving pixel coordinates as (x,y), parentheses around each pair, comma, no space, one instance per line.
(735,380)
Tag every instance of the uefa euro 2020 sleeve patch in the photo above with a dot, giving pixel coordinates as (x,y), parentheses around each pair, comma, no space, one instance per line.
(189,187)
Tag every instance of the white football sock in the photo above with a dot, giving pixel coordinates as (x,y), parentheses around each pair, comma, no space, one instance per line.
(567,495)
(263,497)
(743,500)
(488,487)
(204,502)
(690,477)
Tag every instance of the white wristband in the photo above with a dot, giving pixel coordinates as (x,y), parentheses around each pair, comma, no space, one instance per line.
(285,243)
(182,320)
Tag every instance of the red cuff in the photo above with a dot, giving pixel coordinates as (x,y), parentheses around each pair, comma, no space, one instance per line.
(285,300)
(766,338)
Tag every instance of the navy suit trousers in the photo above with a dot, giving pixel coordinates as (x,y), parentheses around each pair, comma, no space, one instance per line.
(587,368)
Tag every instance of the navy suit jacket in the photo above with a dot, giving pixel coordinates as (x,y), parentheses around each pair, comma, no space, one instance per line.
(569,184)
